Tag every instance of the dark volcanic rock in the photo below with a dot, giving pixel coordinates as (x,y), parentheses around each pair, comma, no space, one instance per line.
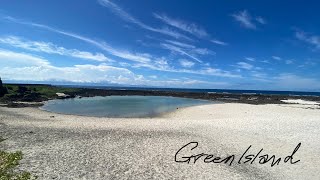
(222,97)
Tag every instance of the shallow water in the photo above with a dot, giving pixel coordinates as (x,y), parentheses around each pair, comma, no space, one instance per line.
(120,106)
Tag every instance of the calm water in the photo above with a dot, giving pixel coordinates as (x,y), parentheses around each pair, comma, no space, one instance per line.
(120,106)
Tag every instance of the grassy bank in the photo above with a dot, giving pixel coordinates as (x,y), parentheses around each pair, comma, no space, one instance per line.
(33,93)
(8,163)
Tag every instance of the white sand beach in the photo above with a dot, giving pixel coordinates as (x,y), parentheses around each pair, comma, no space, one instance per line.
(57,146)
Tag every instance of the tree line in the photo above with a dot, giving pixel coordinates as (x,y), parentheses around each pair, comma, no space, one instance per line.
(3,90)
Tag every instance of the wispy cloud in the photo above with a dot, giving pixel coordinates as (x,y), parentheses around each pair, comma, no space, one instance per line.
(13,59)
(244,65)
(202,51)
(169,32)
(20,66)
(265,61)
(188,27)
(207,71)
(215,72)
(138,57)
(259,75)
(179,50)
(308,63)
(250,59)
(191,28)
(313,40)
(261,20)
(186,63)
(51,48)
(186,49)
(215,41)
(131,19)
(184,45)
(295,82)
(289,61)
(26,67)
(277,58)
(246,20)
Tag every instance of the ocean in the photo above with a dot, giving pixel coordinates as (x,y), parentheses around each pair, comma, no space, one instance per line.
(231,91)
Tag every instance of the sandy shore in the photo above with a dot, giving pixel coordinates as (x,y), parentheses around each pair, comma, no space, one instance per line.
(75,147)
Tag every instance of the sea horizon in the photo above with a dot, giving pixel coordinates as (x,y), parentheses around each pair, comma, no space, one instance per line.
(172,89)
(227,91)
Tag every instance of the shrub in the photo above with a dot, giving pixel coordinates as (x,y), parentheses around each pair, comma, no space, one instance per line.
(8,161)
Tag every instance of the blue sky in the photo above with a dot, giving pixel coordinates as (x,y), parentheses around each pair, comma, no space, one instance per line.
(264,45)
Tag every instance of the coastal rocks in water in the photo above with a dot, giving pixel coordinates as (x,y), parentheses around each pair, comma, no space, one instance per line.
(31,97)
(300,101)
(23,104)
(64,96)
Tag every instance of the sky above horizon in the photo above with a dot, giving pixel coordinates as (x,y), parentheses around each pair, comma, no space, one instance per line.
(264,45)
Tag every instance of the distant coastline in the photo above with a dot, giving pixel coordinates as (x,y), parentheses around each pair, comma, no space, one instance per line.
(224,91)
(36,94)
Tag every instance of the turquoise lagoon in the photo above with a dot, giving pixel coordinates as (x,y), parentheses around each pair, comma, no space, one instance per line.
(120,106)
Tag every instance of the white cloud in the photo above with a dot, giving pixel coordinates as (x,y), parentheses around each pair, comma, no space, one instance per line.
(192,83)
(51,48)
(179,50)
(219,42)
(186,50)
(313,40)
(244,65)
(308,63)
(141,59)
(215,72)
(191,28)
(186,63)
(12,59)
(265,61)
(207,71)
(246,20)
(189,48)
(261,20)
(169,32)
(259,75)
(79,73)
(202,51)
(289,61)
(250,59)
(21,66)
(153,76)
(161,64)
(129,18)
(276,58)
(184,45)
(137,57)
(27,67)
(294,82)
(124,64)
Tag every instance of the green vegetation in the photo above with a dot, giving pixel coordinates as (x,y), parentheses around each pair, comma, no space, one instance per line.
(33,93)
(8,161)
(3,90)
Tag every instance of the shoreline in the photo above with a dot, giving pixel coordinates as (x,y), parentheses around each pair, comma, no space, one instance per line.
(36,97)
(70,146)
(143,117)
